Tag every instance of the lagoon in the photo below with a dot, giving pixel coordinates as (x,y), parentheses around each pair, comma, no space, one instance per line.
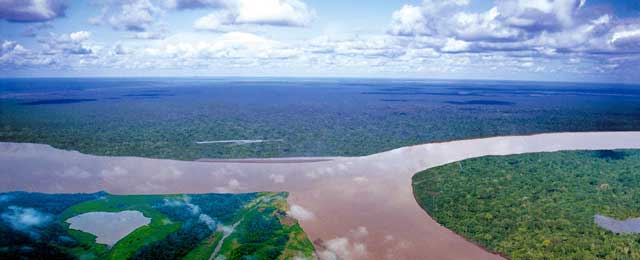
(109,227)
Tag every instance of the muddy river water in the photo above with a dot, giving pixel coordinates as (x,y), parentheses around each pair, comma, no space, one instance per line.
(351,207)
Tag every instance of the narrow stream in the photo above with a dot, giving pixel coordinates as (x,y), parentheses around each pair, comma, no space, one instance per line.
(219,245)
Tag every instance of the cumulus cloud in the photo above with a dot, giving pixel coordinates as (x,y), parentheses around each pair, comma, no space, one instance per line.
(9,47)
(129,15)
(436,38)
(26,220)
(216,21)
(15,56)
(543,26)
(300,213)
(235,46)
(508,20)
(31,10)
(144,15)
(351,246)
(274,12)
(261,12)
(232,186)
(73,43)
(625,37)
(453,45)
(79,36)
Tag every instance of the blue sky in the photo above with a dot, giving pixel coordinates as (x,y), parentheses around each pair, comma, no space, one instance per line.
(556,40)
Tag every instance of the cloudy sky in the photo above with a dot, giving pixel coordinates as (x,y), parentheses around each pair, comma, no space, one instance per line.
(557,40)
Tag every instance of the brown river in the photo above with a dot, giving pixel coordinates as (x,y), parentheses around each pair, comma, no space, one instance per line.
(351,207)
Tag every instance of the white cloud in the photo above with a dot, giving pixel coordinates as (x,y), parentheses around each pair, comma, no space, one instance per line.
(300,213)
(539,14)
(143,15)
(215,21)
(434,39)
(408,20)
(185,201)
(133,15)
(453,45)
(207,220)
(360,179)
(260,12)
(543,26)
(274,12)
(342,248)
(232,186)
(9,47)
(225,229)
(25,219)
(80,36)
(31,10)
(626,37)
(13,55)
(65,44)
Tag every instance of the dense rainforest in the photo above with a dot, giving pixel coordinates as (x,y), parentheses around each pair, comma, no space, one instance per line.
(538,206)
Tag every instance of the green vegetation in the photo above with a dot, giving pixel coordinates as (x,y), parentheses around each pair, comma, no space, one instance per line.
(205,248)
(538,206)
(181,227)
(158,229)
(266,232)
(164,118)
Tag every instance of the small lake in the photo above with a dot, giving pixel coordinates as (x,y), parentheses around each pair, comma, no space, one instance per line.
(627,226)
(109,227)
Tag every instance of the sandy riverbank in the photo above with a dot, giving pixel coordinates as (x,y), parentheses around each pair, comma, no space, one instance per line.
(356,207)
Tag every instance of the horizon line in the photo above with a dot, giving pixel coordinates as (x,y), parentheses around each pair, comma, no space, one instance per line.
(320,78)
